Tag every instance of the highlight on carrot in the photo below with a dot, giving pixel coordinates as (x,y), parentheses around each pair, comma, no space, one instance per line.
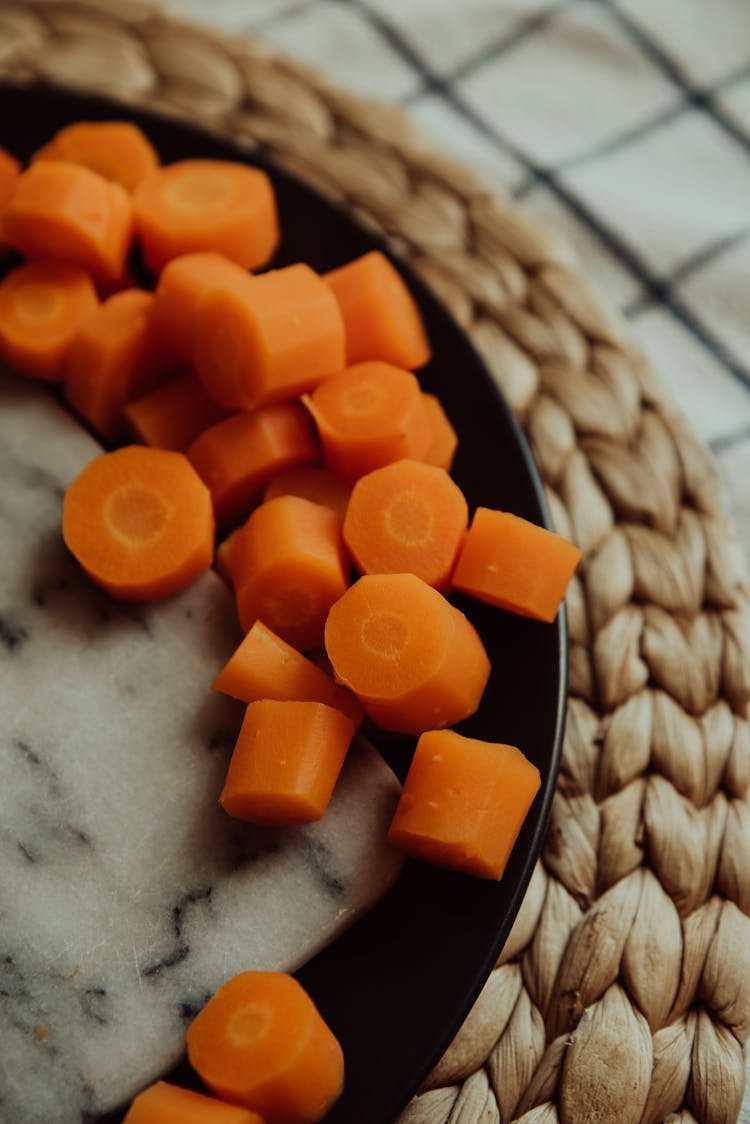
(380,315)
(139,521)
(286,762)
(443,437)
(115,357)
(367,416)
(173,415)
(413,660)
(163,1103)
(65,212)
(42,306)
(319,485)
(464,802)
(261,1042)
(117,150)
(507,561)
(268,337)
(237,457)
(181,284)
(406,518)
(219,205)
(289,566)
(265,667)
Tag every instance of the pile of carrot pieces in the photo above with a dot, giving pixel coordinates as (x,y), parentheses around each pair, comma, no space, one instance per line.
(277,409)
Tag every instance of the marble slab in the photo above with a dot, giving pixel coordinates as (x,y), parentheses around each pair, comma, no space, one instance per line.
(126,894)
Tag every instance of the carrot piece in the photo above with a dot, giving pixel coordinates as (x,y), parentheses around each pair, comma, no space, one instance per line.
(238,456)
(412,659)
(140,523)
(507,561)
(114,358)
(443,437)
(10,169)
(181,284)
(42,306)
(265,667)
(206,205)
(367,416)
(117,150)
(380,315)
(65,212)
(261,1042)
(406,518)
(289,567)
(268,337)
(173,415)
(168,1104)
(317,484)
(286,762)
(223,556)
(464,802)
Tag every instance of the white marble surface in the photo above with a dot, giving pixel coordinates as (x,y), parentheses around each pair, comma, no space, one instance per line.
(126,894)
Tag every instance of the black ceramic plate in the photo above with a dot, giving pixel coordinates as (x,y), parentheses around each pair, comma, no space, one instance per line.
(397,985)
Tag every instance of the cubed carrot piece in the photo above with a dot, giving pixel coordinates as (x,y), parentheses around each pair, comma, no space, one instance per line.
(464,802)
(261,1042)
(286,761)
(239,455)
(163,1103)
(117,150)
(381,317)
(114,358)
(507,561)
(289,567)
(367,416)
(413,660)
(265,338)
(173,415)
(65,212)
(181,284)
(42,307)
(443,437)
(218,205)
(265,667)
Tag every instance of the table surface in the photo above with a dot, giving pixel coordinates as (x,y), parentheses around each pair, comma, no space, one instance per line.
(623,122)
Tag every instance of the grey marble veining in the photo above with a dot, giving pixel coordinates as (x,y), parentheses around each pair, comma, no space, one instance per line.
(126,894)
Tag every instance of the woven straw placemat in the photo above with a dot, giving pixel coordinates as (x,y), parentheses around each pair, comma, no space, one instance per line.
(624,991)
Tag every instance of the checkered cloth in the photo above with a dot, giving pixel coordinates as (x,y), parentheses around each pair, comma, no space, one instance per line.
(624,122)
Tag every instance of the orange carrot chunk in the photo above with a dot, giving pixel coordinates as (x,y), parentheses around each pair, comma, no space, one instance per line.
(406,518)
(117,150)
(42,306)
(443,438)
(268,337)
(140,523)
(162,1103)
(367,416)
(464,802)
(115,357)
(181,284)
(380,315)
(10,169)
(286,762)
(206,205)
(289,567)
(223,556)
(413,660)
(239,455)
(173,415)
(265,667)
(507,561)
(65,212)
(319,485)
(261,1042)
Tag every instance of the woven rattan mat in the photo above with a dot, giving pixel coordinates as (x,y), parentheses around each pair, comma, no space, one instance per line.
(624,991)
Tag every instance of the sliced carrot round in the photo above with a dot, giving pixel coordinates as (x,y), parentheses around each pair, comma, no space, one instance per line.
(117,150)
(206,205)
(162,1103)
(443,437)
(140,522)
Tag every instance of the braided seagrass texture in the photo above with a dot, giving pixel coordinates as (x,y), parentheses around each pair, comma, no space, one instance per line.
(624,990)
